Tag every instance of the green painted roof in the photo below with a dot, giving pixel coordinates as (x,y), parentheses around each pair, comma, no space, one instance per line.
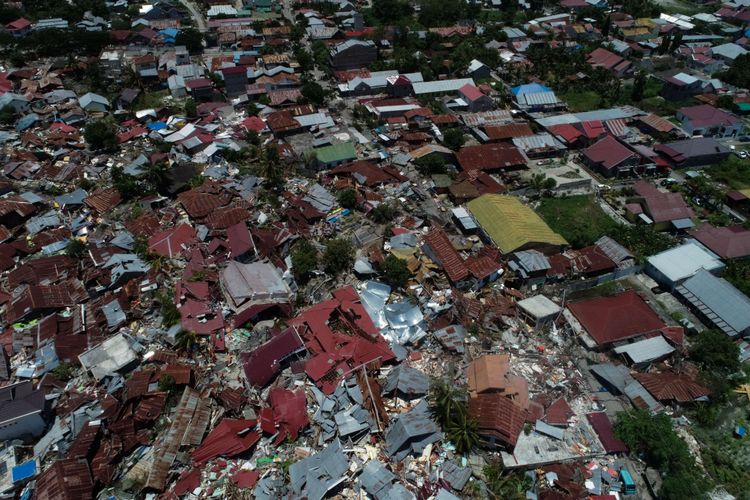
(510,224)
(334,153)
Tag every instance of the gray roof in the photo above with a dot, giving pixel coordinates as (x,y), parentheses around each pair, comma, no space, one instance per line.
(411,432)
(612,249)
(320,198)
(18,400)
(725,306)
(440,86)
(537,98)
(315,475)
(531,260)
(90,98)
(257,281)
(544,140)
(646,350)
(41,222)
(351,43)
(618,376)
(408,382)
(699,146)
(73,198)
(108,357)
(543,427)
(114,314)
(456,475)
(683,261)
(539,306)
(597,115)
(728,50)
(378,482)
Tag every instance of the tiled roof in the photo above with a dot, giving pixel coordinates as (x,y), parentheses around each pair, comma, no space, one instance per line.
(670,386)
(620,317)
(498,417)
(490,157)
(447,255)
(727,242)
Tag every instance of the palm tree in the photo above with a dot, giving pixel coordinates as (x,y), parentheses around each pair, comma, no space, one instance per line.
(463,431)
(444,401)
(186,340)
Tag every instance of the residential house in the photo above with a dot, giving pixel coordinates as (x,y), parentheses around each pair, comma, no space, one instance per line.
(177,86)
(19,28)
(664,209)
(478,70)
(22,414)
(472,273)
(728,52)
(330,156)
(145,67)
(694,152)
(476,101)
(501,157)
(353,54)
(55,23)
(252,288)
(201,89)
(534,97)
(235,80)
(680,86)
(709,121)
(110,62)
(732,242)
(603,321)
(19,103)
(603,58)
(612,158)
(93,103)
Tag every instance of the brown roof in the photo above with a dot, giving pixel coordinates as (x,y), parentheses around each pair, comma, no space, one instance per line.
(670,386)
(490,157)
(558,413)
(498,417)
(509,131)
(103,200)
(661,206)
(488,374)
(447,256)
(68,479)
(727,242)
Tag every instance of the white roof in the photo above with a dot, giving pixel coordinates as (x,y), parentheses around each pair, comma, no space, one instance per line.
(646,350)
(685,260)
(539,306)
(440,86)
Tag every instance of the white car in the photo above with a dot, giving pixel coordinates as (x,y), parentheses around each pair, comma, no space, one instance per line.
(743,154)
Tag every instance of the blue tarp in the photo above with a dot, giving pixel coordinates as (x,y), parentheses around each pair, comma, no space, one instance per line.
(529,88)
(24,471)
(156,126)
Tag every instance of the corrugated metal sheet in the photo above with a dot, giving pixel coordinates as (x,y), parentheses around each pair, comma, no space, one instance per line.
(646,350)
(718,301)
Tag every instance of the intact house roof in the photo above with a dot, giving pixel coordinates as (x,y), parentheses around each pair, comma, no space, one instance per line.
(705,115)
(253,283)
(695,148)
(491,157)
(609,153)
(612,319)
(18,400)
(681,262)
(727,242)
(662,206)
(718,301)
(511,225)
(500,420)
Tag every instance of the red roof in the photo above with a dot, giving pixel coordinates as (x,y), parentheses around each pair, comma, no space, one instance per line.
(662,206)
(18,24)
(240,241)
(446,254)
(608,153)
(289,412)
(490,157)
(559,413)
(198,83)
(264,363)
(234,70)
(603,428)
(620,317)
(230,438)
(498,417)
(254,123)
(705,115)
(670,386)
(730,242)
(171,242)
(470,92)
(603,57)
(567,132)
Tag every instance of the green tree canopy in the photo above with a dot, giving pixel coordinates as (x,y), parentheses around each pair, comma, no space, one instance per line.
(453,139)
(395,271)
(191,38)
(347,198)
(338,256)
(304,261)
(101,134)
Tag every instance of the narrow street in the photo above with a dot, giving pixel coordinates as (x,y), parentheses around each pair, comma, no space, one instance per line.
(195,13)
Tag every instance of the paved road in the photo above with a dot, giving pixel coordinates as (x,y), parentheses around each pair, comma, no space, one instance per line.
(196,14)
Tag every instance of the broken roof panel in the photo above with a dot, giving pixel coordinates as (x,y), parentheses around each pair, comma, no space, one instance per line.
(407,382)
(411,432)
(108,357)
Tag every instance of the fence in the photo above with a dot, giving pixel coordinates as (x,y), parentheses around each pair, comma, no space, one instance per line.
(599,280)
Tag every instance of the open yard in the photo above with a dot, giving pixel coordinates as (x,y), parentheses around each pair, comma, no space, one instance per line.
(734,172)
(579,219)
(582,101)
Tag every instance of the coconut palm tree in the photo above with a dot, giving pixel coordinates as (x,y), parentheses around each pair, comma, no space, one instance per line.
(186,340)
(445,400)
(463,431)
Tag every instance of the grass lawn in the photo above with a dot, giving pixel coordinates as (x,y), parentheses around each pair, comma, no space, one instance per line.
(660,106)
(579,219)
(151,99)
(734,172)
(582,101)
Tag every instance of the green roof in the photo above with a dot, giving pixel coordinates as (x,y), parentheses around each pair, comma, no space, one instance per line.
(743,106)
(335,153)
(510,224)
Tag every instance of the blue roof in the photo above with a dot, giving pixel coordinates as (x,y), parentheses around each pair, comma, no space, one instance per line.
(530,87)
(156,126)
(170,32)
(24,471)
